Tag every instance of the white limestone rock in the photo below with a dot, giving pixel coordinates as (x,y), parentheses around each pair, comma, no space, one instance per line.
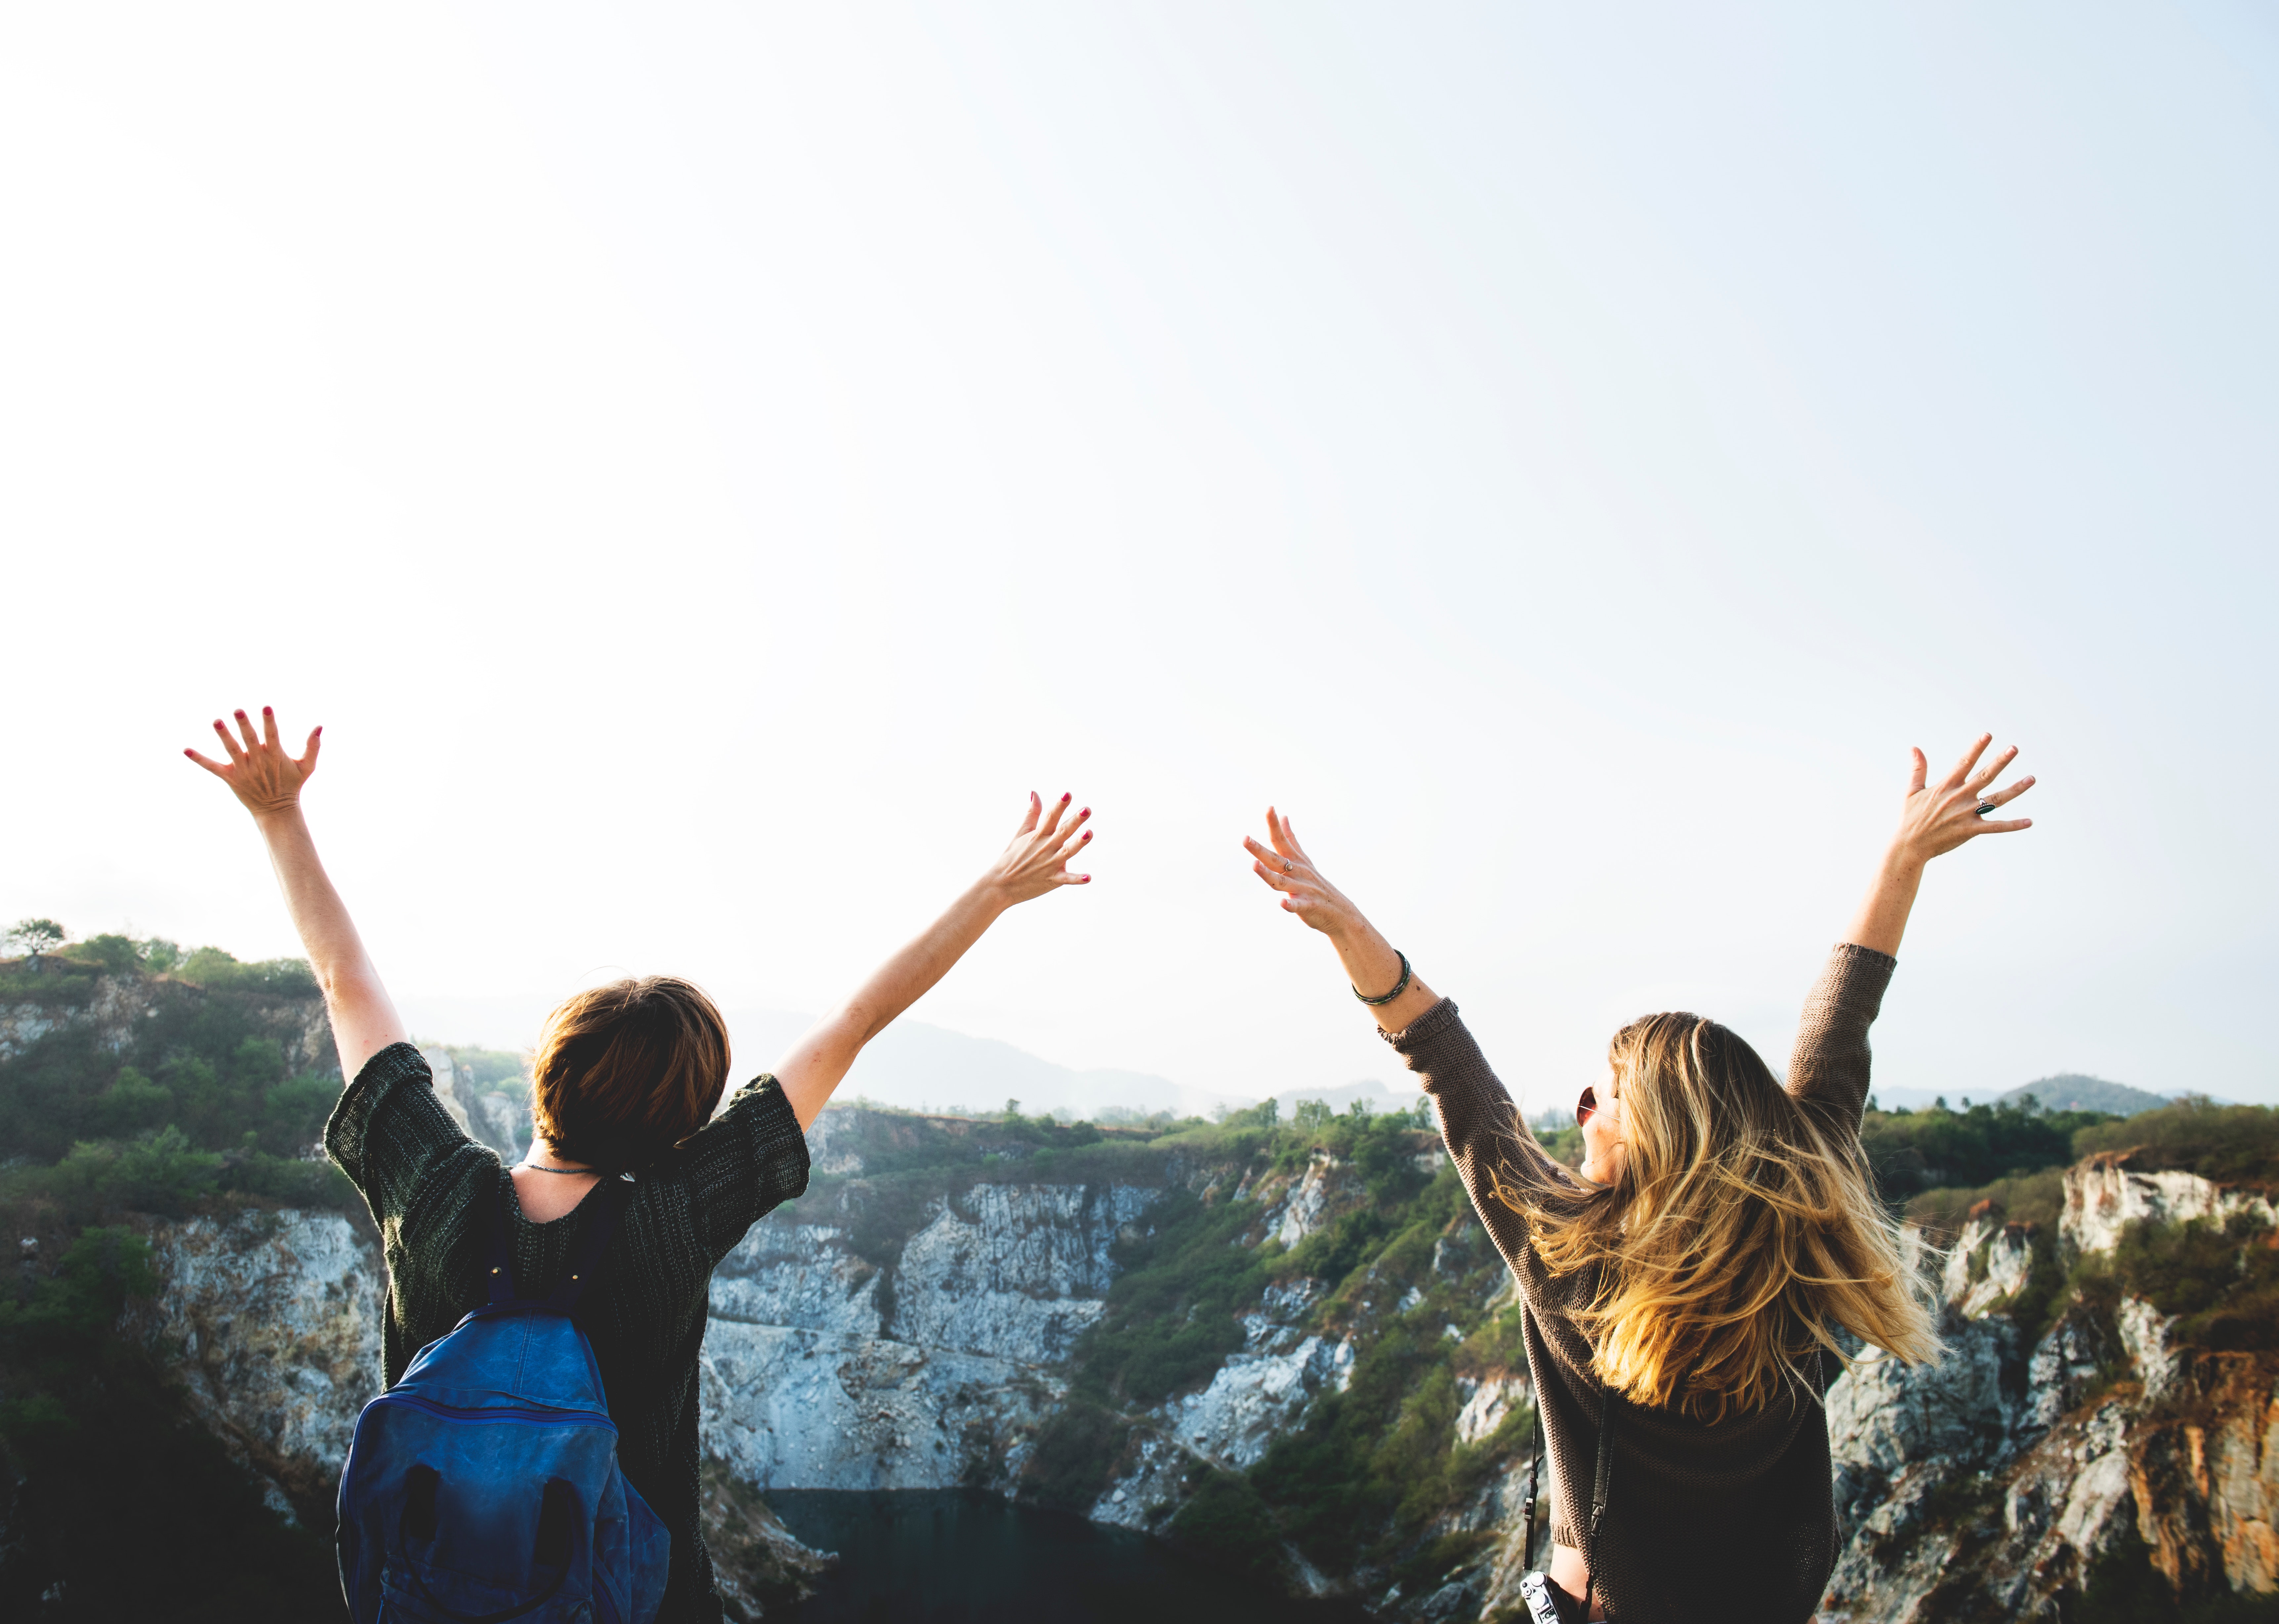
(1252,1398)
(1489,1400)
(1990,1265)
(2103,1198)
(274,1322)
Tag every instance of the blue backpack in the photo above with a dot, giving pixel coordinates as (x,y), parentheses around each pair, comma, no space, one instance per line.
(484,1486)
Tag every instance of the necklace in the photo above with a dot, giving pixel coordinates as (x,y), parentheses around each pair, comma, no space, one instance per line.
(572,1172)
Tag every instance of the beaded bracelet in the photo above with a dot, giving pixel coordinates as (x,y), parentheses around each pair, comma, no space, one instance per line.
(1398,987)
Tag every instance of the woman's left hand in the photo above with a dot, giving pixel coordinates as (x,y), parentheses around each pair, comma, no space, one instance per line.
(1037,861)
(1305,893)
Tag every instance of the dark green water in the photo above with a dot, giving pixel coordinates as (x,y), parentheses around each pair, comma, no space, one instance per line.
(945,1556)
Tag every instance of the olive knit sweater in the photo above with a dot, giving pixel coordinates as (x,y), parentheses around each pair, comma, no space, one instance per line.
(1734,1518)
(432,1191)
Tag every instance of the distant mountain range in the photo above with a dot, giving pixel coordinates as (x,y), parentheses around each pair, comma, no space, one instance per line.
(2067,1091)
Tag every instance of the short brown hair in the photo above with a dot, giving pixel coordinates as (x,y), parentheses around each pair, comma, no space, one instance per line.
(625,1072)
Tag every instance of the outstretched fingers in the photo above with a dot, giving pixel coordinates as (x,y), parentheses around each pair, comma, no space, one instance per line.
(213,767)
(228,741)
(1970,760)
(2004,797)
(308,761)
(1987,774)
(1271,865)
(1289,841)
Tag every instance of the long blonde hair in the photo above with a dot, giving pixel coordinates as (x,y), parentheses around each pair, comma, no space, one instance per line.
(1742,1228)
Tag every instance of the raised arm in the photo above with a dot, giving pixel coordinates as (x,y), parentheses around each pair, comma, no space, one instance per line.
(1933,821)
(1036,863)
(1829,1062)
(1370,963)
(267,782)
(1491,1145)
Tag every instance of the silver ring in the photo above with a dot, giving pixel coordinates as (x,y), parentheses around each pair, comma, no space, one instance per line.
(1288,867)
(1985,806)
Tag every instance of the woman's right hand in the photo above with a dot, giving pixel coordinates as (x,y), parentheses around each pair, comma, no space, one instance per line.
(1937,818)
(1933,821)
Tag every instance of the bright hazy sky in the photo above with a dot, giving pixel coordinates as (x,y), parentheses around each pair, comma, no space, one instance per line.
(704,463)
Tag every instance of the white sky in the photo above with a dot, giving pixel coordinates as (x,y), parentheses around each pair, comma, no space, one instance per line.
(704,463)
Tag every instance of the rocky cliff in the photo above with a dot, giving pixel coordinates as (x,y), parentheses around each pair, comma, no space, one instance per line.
(875,1337)
(1290,1350)
(2073,1438)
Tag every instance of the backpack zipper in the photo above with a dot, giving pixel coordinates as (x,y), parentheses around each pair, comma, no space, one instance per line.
(526,1417)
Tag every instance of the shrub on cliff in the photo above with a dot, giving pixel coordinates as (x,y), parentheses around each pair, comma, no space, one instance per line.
(2232,1144)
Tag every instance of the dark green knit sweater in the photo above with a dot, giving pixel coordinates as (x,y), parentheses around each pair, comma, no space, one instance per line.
(432,1188)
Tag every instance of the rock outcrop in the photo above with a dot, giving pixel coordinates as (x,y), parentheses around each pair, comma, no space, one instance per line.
(1993,1484)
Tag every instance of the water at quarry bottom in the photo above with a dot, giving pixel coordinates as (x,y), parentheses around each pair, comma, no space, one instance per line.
(946,1556)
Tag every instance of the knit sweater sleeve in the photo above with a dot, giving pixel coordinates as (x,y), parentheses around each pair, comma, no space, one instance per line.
(743,1163)
(1489,1142)
(389,1132)
(1829,1066)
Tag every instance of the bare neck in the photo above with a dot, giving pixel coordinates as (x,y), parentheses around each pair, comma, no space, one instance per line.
(545,1197)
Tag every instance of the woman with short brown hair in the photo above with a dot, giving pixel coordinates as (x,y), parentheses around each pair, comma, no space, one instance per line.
(628,1081)
(1684,1298)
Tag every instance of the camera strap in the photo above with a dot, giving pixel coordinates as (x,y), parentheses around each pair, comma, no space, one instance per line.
(1538,1596)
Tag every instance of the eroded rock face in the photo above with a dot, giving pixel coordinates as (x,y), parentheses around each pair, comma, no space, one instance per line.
(2103,1195)
(1990,1485)
(274,1320)
(1988,1266)
(927,1366)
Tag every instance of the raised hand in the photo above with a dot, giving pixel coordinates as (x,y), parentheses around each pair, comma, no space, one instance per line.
(1372,965)
(1937,818)
(1934,820)
(1037,861)
(1304,892)
(260,773)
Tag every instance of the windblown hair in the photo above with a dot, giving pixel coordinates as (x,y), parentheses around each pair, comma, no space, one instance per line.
(626,1071)
(1743,1229)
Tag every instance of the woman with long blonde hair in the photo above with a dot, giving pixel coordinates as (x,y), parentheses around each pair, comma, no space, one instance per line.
(1683,1298)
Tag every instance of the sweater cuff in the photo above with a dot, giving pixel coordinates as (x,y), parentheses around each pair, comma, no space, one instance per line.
(1424,1028)
(1869,956)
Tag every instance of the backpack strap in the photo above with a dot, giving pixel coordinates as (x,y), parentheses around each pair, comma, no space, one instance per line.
(607,1199)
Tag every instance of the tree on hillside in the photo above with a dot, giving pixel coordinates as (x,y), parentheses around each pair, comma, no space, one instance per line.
(34,937)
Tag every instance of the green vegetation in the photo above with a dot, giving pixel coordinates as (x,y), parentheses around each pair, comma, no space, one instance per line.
(2232,1144)
(1917,1151)
(2222,1281)
(185,1097)
(172,1095)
